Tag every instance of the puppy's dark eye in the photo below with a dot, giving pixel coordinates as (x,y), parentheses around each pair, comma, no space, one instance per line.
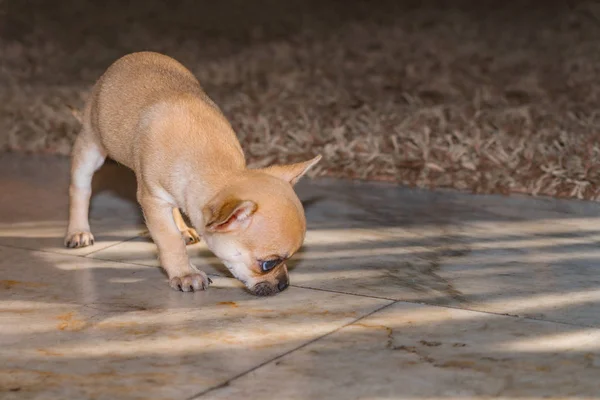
(269,265)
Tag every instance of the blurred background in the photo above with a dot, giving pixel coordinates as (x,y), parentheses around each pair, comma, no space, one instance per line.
(478,95)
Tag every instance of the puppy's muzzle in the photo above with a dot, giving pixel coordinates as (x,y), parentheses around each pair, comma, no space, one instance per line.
(267,288)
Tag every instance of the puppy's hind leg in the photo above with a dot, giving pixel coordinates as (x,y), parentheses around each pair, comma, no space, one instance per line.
(190,236)
(87,157)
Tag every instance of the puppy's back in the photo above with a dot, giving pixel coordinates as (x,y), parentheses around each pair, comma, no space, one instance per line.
(128,88)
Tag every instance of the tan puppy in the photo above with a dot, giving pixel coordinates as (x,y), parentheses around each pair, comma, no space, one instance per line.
(149,113)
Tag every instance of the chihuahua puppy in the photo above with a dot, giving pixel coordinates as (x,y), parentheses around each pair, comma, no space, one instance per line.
(149,113)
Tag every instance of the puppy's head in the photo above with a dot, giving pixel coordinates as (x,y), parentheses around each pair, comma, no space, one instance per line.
(257,223)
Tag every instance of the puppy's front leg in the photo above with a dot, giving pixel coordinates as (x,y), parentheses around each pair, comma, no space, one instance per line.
(171,249)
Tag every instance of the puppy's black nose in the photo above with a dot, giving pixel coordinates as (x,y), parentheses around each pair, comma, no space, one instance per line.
(282,285)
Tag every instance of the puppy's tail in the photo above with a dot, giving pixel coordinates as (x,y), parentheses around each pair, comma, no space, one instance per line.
(76,113)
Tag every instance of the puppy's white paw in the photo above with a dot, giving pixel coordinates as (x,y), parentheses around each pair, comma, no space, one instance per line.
(79,239)
(191,282)
(190,236)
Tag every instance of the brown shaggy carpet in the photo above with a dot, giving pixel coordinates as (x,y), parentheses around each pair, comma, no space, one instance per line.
(485,96)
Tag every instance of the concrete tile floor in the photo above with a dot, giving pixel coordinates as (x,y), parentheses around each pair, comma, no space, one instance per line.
(397,293)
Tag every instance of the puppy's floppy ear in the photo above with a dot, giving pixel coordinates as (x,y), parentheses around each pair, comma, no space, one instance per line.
(291,172)
(228,215)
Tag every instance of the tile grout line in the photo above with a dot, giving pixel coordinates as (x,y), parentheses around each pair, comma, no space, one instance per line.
(228,381)
(111,245)
(498,314)
(145,265)
(85,256)
(66,254)
(342,292)
(152,266)
(324,290)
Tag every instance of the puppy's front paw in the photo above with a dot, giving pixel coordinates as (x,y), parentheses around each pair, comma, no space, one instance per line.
(79,239)
(191,282)
(190,236)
